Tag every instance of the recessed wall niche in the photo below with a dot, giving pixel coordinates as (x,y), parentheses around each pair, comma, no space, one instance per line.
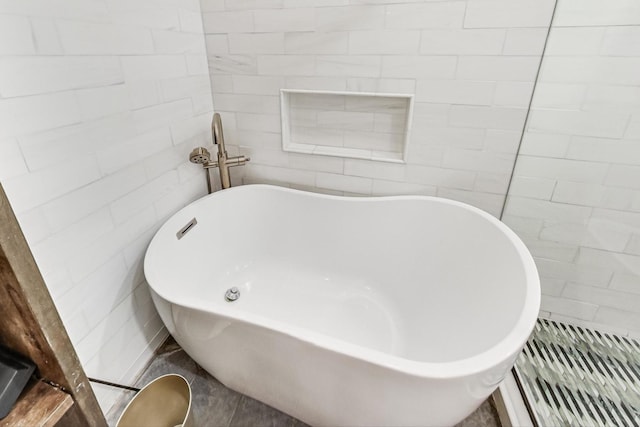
(371,126)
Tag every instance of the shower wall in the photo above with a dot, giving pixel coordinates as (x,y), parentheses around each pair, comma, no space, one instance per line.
(471,65)
(100,104)
(575,196)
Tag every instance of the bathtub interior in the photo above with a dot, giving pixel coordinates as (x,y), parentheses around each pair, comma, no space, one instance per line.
(417,278)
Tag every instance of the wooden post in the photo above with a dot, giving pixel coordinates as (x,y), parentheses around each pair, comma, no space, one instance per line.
(31,325)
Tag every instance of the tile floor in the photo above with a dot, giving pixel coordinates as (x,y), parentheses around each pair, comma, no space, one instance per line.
(217,406)
(575,376)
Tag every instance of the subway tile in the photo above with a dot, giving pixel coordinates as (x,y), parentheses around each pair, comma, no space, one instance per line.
(419,67)
(613,317)
(502,141)
(577,193)
(257,85)
(350,65)
(315,83)
(153,67)
(388,42)
(455,92)
(462,42)
(286,65)
(352,184)
(264,104)
(72,207)
(601,70)
(63,245)
(256,43)
(435,176)
(174,42)
(513,94)
(425,15)
(525,41)
(574,41)
(561,169)
(508,14)
(237,64)
(582,123)
(90,38)
(559,96)
(196,64)
(28,191)
(378,170)
(534,188)
(383,85)
(45,36)
(621,41)
(11,160)
(576,13)
(21,76)
(128,152)
(495,183)
(217,44)
(258,122)
(611,98)
(621,262)
(15,35)
(498,68)
(551,250)
(572,308)
(490,203)
(190,22)
(332,43)
(184,87)
(603,150)
(253,4)
(547,210)
(545,144)
(487,117)
(349,18)
(228,22)
(37,113)
(96,103)
(394,188)
(479,161)
(94,11)
(603,297)
(286,20)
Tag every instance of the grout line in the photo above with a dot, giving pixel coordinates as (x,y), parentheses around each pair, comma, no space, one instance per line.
(526,119)
(116,385)
(235,409)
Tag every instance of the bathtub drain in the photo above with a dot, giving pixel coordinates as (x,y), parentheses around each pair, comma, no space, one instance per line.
(232,294)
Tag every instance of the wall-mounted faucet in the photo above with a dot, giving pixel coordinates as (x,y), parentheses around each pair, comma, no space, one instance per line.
(201,155)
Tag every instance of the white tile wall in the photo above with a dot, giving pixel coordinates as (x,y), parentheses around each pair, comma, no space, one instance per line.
(575,191)
(100,104)
(470,63)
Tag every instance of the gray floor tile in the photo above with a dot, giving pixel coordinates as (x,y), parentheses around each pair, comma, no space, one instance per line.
(175,362)
(251,413)
(213,403)
(485,416)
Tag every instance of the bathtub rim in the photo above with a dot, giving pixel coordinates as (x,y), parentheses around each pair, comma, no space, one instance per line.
(505,349)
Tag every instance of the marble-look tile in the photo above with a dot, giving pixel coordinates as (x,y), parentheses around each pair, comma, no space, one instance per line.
(213,403)
(251,412)
(485,416)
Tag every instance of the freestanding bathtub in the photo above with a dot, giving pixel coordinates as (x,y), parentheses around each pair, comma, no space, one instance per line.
(404,311)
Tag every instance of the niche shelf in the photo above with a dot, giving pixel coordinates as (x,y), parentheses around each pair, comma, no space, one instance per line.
(372,126)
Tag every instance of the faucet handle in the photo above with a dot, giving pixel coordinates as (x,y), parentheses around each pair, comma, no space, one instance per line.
(237,161)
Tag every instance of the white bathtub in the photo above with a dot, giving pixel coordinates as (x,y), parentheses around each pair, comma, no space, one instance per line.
(353,311)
